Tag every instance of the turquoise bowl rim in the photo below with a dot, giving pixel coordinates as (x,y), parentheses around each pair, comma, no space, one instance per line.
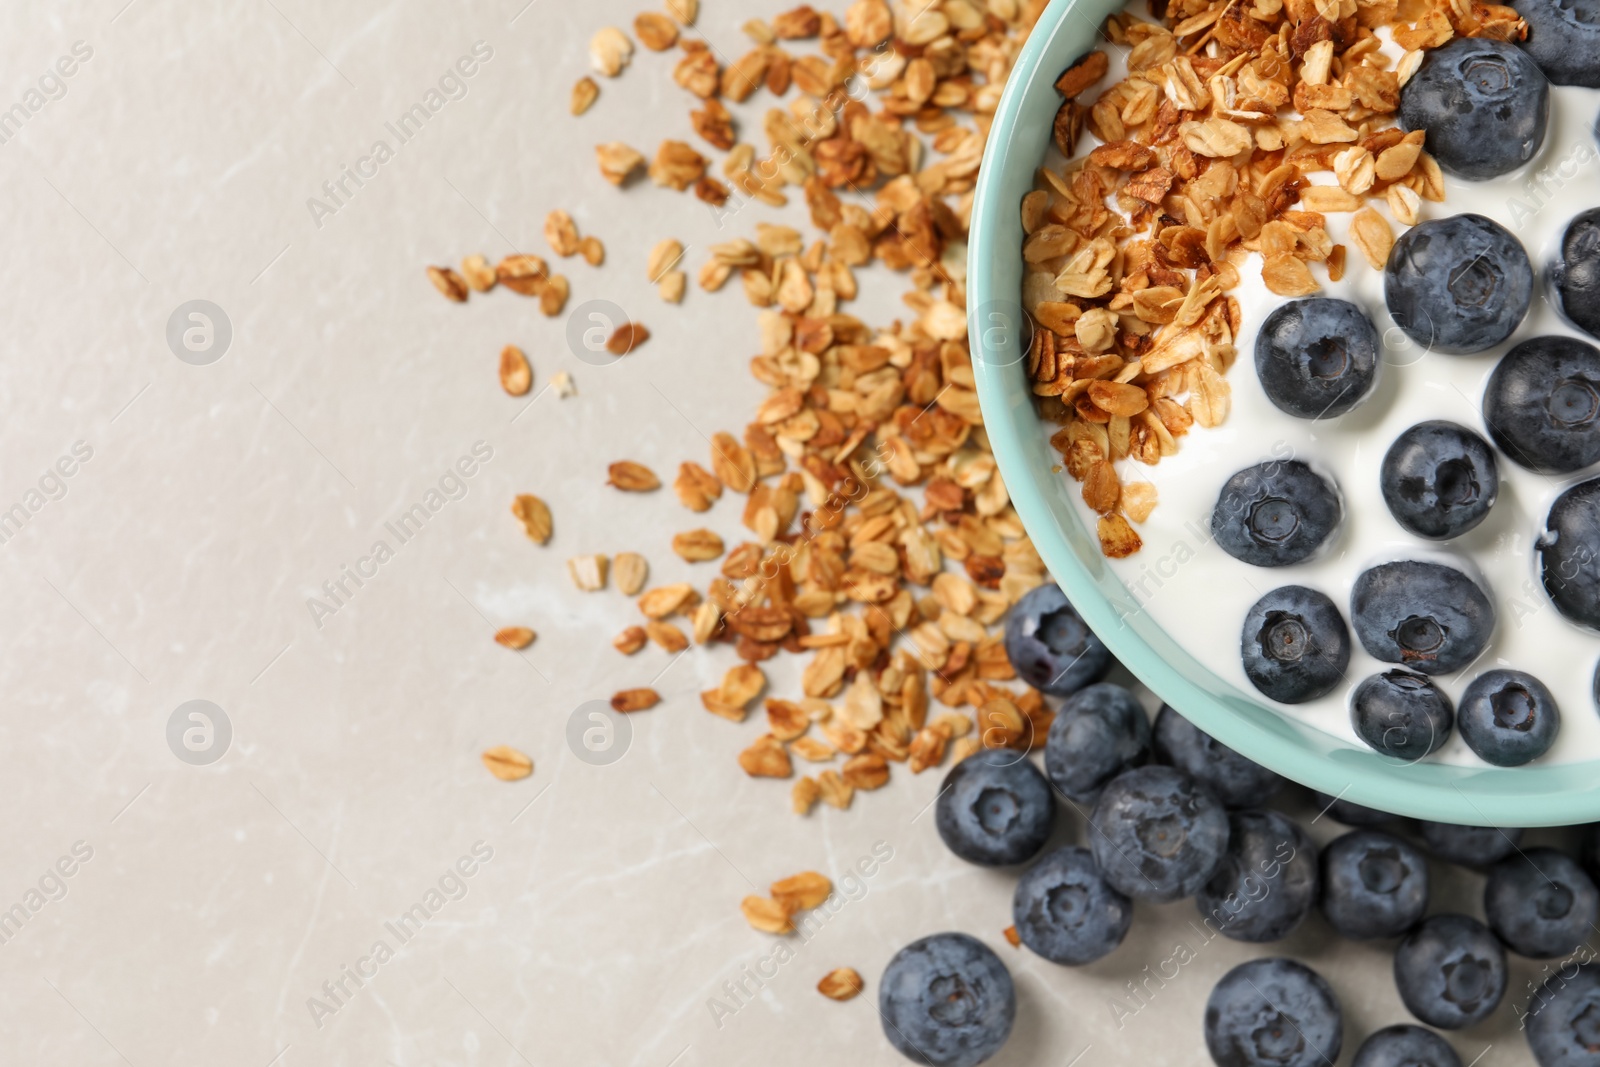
(1555,795)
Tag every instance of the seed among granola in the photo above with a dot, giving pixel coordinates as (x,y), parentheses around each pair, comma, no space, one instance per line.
(632,477)
(507,764)
(516,375)
(516,638)
(449,283)
(534,514)
(842,983)
(629,700)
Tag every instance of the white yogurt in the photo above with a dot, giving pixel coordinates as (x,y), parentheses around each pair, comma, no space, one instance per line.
(1200,595)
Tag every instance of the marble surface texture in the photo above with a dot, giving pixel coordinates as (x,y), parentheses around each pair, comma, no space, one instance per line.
(212,906)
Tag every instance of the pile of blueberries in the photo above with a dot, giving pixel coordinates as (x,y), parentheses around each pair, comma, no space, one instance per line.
(1172,813)
(1455,285)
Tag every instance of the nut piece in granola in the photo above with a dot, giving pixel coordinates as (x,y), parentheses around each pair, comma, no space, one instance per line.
(507,764)
(516,638)
(841,984)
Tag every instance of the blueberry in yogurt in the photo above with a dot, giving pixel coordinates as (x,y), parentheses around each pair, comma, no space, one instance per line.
(1099,732)
(1273,1012)
(1405,1045)
(1439,479)
(1427,616)
(1401,714)
(1563,1019)
(1508,717)
(1374,885)
(1540,903)
(995,809)
(1295,644)
(1157,834)
(1542,404)
(1317,358)
(1564,39)
(1483,103)
(1577,271)
(1459,284)
(1236,781)
(1275,513)
(1050,646)
(1064,910)
(947,1000)
(1267,881)
(1450,971)
(1569,556)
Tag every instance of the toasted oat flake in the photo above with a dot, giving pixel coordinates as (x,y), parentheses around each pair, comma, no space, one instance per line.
(766,758)
(842,983)
(618,162)
(593,250)
(629,700)
(534,514)
(449,283)
(801,892)
(632,477)
(666,636)
(803,796)
(516,638)
(629,570)
(697,546)
(478,274)
(507,764)
(561,233)
(765,915)
(627,337)
(1371,236)
(554,296)
(630,640)
(684,11)
(584,93)
(655,31)
(516,375)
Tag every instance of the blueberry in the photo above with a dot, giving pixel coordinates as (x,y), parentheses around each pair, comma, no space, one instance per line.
(1458,284)
(1577,272)
(1540,903)
(1439,479)
(1450,971)
(1542,404)
(1428,616)
(995,808)
(1568,549)
(1352,814)
(1317,358)
(1064,910)
(1273,1012)
(1483,103)
(1564,39)
(1050,646)
(1275,513)
(1236,781)
(1267,881)
(1470,846)
(1401,714)
(1295,645)
(1157,834)
(1099,732)
(1405,1045)
(1563,1021)
(1373,885)
(1508,717)
(947,1000)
